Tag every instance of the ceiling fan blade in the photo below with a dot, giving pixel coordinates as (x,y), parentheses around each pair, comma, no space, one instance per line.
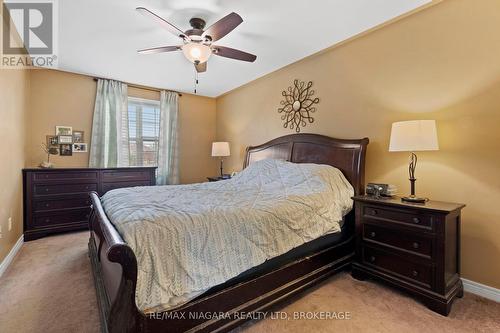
(200,68)
(228,52)
(170,27)
(222,27)
(160,49)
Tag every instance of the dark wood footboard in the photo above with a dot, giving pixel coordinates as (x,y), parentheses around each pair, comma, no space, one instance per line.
(115,273)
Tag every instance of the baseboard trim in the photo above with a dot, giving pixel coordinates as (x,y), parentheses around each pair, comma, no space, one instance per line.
(12,254)
(482,290)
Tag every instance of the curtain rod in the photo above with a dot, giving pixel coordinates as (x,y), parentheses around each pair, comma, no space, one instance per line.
(139,86)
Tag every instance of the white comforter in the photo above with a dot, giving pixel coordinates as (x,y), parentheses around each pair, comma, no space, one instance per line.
(189,238)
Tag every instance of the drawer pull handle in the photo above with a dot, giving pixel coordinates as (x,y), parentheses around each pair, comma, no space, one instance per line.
(416,220)
(372,259)
(46,190)
(373,234)
(374,212)
(416,245)
(47,220)
(414,273)
(47,205)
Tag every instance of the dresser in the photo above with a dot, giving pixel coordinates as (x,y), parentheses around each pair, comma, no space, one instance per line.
(57,200)
(414,247)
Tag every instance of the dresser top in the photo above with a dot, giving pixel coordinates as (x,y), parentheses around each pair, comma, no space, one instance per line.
(85,169)
(431,205)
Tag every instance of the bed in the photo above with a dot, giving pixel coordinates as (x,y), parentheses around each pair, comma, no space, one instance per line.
(229,304)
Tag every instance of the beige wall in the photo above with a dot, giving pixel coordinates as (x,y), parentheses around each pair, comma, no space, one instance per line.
(442,63)
(13,109)
(62,98)
(14,86)
(59,98)
(197,121)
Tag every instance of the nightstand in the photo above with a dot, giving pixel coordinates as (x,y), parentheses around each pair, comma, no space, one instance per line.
(415,247)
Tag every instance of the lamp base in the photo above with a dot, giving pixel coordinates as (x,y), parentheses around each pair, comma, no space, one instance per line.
(414,199)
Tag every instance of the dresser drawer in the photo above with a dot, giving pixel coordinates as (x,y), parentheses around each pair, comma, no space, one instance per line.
(405,241)
(62,217)
(112,186)
(63,188)
(129,175)
(45,205)
(408,218)
(395,264)
(65,175)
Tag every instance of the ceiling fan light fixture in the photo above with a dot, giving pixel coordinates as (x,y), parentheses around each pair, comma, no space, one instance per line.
(196,52)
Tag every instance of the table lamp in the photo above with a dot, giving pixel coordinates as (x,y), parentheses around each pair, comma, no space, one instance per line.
(220,149)
(412,136)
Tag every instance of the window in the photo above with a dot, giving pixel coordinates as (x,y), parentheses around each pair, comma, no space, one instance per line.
(143,126)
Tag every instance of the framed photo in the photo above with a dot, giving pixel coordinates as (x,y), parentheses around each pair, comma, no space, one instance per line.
(79,147)
(65,150)
(64,130)
(52,141)
(65,139)
(78,137)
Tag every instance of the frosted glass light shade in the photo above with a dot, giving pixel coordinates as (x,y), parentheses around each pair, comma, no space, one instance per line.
(414,135)
(220,149)
(196,52)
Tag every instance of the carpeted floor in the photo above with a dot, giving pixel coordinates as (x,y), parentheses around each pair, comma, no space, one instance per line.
(49,288)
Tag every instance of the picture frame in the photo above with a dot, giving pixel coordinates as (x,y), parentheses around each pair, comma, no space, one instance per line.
(64,130)
(52,141)
(65,139)
(65,150)
(79,147)
(78,137)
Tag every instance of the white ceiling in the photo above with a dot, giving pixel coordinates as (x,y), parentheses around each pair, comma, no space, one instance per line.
(101,37)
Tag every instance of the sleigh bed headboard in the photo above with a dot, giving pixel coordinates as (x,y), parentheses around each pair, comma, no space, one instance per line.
(346,155)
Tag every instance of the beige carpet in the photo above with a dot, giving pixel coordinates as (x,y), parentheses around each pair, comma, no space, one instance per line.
(49,288)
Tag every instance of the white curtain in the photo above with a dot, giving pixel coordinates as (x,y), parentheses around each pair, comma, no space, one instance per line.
(168,164)
(109,146)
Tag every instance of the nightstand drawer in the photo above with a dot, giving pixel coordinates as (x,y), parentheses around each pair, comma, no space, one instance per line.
(408,217)
(392,263)
(406,241)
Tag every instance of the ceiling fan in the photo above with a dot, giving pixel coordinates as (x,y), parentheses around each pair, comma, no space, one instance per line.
(197,43)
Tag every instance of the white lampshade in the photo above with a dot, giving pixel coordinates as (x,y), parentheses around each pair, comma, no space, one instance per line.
(220,149)
(196,52)
(414,135)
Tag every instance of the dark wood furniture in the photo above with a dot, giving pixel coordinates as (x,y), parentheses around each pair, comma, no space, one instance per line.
(415,247)
(115,265)
(57,200)
(216,179)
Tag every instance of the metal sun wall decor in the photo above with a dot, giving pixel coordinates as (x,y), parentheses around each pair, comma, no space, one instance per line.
(298,105)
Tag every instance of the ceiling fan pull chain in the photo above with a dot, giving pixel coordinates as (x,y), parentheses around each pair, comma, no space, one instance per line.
(195,80)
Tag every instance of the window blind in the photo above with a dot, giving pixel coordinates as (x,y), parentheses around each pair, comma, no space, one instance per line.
(143,128)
